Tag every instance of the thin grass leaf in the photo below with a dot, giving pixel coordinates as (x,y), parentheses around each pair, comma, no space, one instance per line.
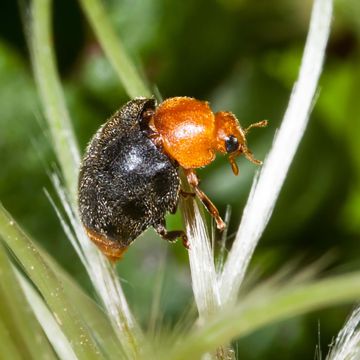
(202,266)
(96,319)
(267,186)
(52,329)
(114,49)
(156,315)
(347,343)
(255,312)
(25,329)
(100,271)
(51,94)
(49,286)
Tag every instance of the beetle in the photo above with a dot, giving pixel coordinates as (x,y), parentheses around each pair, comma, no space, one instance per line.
(129,179)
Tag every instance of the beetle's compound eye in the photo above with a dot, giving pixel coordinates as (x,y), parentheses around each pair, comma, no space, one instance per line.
(231,144)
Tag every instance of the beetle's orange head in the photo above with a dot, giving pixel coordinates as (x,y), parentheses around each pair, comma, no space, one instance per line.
(231,138)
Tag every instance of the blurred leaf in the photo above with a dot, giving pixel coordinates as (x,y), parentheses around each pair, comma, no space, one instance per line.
(94,316)
(114,49)
(49,286)
(48,322)
(137,20)
(99,80)
(16,314)
(262,309)
(349,10)
(9,349)
(335,94)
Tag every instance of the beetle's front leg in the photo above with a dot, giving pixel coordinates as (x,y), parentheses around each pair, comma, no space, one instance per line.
(210,207)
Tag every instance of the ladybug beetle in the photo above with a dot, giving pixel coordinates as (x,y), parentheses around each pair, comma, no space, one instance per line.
(129,178)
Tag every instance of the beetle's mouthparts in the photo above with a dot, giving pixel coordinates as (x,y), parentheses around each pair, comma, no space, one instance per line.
(233,164)
(242,151)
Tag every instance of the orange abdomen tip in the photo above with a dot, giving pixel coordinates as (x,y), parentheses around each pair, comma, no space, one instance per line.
(111,249)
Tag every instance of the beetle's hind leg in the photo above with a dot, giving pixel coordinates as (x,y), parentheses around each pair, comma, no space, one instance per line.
(211,208)
(172,236)
(186,194)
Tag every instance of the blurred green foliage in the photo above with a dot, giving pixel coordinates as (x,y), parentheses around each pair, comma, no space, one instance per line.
(242,56)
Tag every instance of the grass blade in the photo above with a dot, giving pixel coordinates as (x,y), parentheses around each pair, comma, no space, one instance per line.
(26,332)
(202,267)
(266,188)
(347,343)
(101,273)
(114,49)
(49,286)
(203,274)
(8,348)
(52,329)
(256,312)
(51,94)
(95,317)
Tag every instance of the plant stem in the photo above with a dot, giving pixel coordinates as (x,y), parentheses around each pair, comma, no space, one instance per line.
(114,49)
(51,94)
(267,186)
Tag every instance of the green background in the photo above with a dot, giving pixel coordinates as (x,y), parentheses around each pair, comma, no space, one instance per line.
(242,56)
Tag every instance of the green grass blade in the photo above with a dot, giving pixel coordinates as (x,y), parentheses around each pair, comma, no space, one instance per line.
(50,287)
(113,48)
(16,312)
(51,94)
(258,312)
(63,138)
(94,316)
(53,330)
(7,346)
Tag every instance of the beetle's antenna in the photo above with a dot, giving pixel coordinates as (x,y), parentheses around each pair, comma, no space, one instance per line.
(259,124)
(242,151)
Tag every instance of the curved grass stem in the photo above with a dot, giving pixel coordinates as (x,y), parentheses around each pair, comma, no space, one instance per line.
(51,94)
(114,49)
(267,186)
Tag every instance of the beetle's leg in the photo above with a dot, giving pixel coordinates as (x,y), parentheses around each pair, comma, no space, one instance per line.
(172,236)
(156,139)
(211,208)
(186,194)
(147,125)
(146,118)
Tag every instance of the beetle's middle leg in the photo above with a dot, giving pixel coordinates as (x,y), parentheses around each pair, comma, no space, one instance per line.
(211,208)
(172,236)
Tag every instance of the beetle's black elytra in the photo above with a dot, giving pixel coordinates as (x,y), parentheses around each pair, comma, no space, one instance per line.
(126,184)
